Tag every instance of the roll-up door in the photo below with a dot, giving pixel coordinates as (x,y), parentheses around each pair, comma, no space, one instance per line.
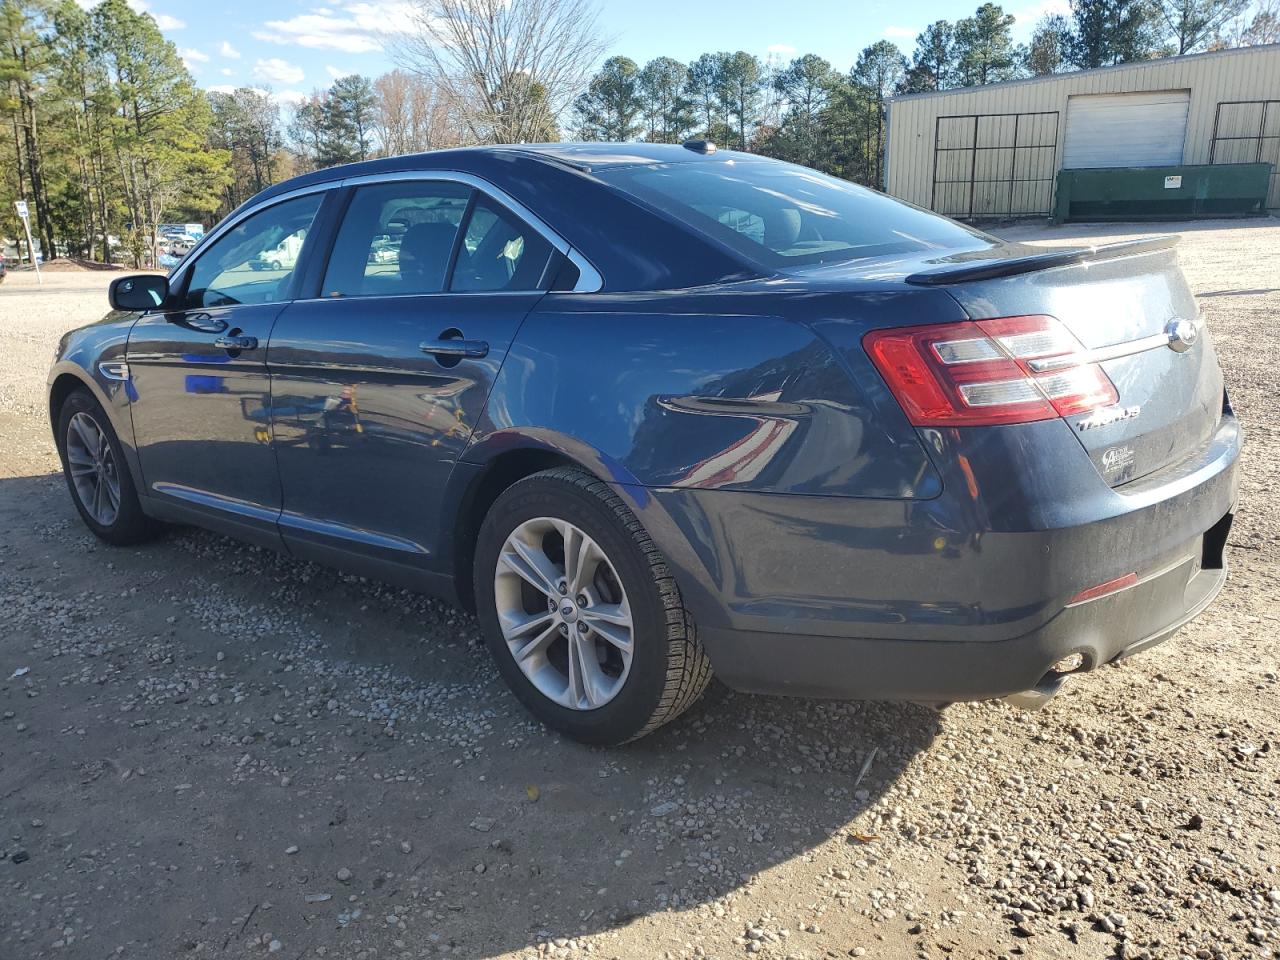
(1126,129)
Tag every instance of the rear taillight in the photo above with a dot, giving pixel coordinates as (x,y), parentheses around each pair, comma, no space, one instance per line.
(978,372)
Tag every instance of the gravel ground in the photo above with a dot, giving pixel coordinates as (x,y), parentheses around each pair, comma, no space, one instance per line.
(216,751)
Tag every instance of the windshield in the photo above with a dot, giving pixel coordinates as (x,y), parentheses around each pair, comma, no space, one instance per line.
(784,215)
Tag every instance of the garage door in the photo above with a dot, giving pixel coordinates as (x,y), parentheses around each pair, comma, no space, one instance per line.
(1126,129)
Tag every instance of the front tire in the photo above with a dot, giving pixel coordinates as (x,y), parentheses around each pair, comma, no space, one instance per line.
(581,614)
(96,473)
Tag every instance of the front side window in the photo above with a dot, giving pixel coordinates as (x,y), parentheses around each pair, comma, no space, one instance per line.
(432,236)
(781,215)
(254,261)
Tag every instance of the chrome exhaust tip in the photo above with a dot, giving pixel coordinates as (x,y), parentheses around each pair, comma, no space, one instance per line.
(1039,695)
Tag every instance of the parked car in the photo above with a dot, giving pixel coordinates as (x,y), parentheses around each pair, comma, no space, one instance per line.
(384,251)
(4,266)
(656,412)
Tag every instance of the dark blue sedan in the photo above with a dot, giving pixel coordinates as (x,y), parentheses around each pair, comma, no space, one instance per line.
(658,412)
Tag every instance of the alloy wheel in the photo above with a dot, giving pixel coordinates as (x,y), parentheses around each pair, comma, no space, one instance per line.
(94,471)
(564,614)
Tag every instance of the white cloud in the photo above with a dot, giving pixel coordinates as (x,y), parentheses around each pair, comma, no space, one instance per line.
(163,20)
(900,33)
(1030,14)
(227,72)
(337,72)
(275,70)
(222,88)
(291,97)
(352,28)
(191,53)
(228,51)
(780,48)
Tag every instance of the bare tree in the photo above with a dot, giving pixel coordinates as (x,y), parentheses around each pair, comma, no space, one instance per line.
(411,116)
(509,68)
(1194,23)
(1251,28)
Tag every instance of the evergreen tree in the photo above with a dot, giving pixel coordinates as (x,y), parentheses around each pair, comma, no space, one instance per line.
(702,86)
(349,120)
(246,124)
(668,113)
(741,89)
(26,36)
(610,107)
(805,88)
(984,47)
(161,121)
(1050,43)
(879,71)
(933,64)
(1106,32)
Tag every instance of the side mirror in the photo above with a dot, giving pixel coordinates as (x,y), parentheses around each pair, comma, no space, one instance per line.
(145,291)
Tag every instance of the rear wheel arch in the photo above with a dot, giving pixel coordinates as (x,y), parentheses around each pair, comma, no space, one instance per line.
(497,475)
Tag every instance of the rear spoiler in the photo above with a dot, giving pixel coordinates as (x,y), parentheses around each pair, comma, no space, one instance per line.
(988,269)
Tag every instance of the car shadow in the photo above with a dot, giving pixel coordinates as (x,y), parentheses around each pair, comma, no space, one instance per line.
(381,742)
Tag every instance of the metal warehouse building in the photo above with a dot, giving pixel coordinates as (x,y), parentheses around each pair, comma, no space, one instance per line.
(1185,135)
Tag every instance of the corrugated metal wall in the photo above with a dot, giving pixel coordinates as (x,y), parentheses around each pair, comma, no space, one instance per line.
(915,122)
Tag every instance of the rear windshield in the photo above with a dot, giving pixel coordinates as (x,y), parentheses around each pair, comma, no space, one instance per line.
(784,215)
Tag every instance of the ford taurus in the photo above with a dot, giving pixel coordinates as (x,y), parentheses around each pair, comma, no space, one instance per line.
(656,412)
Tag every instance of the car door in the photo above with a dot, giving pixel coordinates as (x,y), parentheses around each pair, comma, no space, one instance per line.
(378,380)
(200,387)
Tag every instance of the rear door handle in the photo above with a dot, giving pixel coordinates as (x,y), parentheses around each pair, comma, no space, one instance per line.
(237,343)
(461,349)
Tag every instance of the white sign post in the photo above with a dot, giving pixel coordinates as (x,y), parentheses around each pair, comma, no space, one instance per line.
(21,206)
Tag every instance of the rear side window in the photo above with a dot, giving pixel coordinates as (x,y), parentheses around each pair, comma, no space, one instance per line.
(499,252)
(432,236)
(781,215)
(397,239)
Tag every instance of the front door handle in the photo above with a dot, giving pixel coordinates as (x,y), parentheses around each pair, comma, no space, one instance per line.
(456,349)
(237,343)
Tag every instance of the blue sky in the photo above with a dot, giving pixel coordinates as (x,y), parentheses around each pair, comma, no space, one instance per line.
(295,46)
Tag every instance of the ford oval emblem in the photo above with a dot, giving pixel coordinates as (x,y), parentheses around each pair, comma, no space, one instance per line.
(1183,335)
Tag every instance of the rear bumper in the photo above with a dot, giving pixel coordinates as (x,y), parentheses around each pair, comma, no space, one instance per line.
(946,599)
(1102,631)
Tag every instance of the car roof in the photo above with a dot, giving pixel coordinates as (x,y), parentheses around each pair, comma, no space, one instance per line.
(593,156)
(583,157)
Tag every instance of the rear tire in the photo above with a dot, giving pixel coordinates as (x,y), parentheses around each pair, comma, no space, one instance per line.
(97,474)
(638,661)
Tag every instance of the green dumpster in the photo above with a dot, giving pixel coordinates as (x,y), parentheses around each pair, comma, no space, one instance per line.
(1163,193)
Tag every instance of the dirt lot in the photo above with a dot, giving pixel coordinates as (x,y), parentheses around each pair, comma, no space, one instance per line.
(221,752)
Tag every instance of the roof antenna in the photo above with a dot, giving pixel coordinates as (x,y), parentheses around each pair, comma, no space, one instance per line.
(705,147)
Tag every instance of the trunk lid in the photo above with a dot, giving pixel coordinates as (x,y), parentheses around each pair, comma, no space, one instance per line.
(1118,301)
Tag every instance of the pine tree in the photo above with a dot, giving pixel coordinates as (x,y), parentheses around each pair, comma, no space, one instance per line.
(1050,43)
(933,64)
(740,91)
(805,87)
(668,113)
(984,47)
(349,119)
(610,107)
(1107,32)
(879,71)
